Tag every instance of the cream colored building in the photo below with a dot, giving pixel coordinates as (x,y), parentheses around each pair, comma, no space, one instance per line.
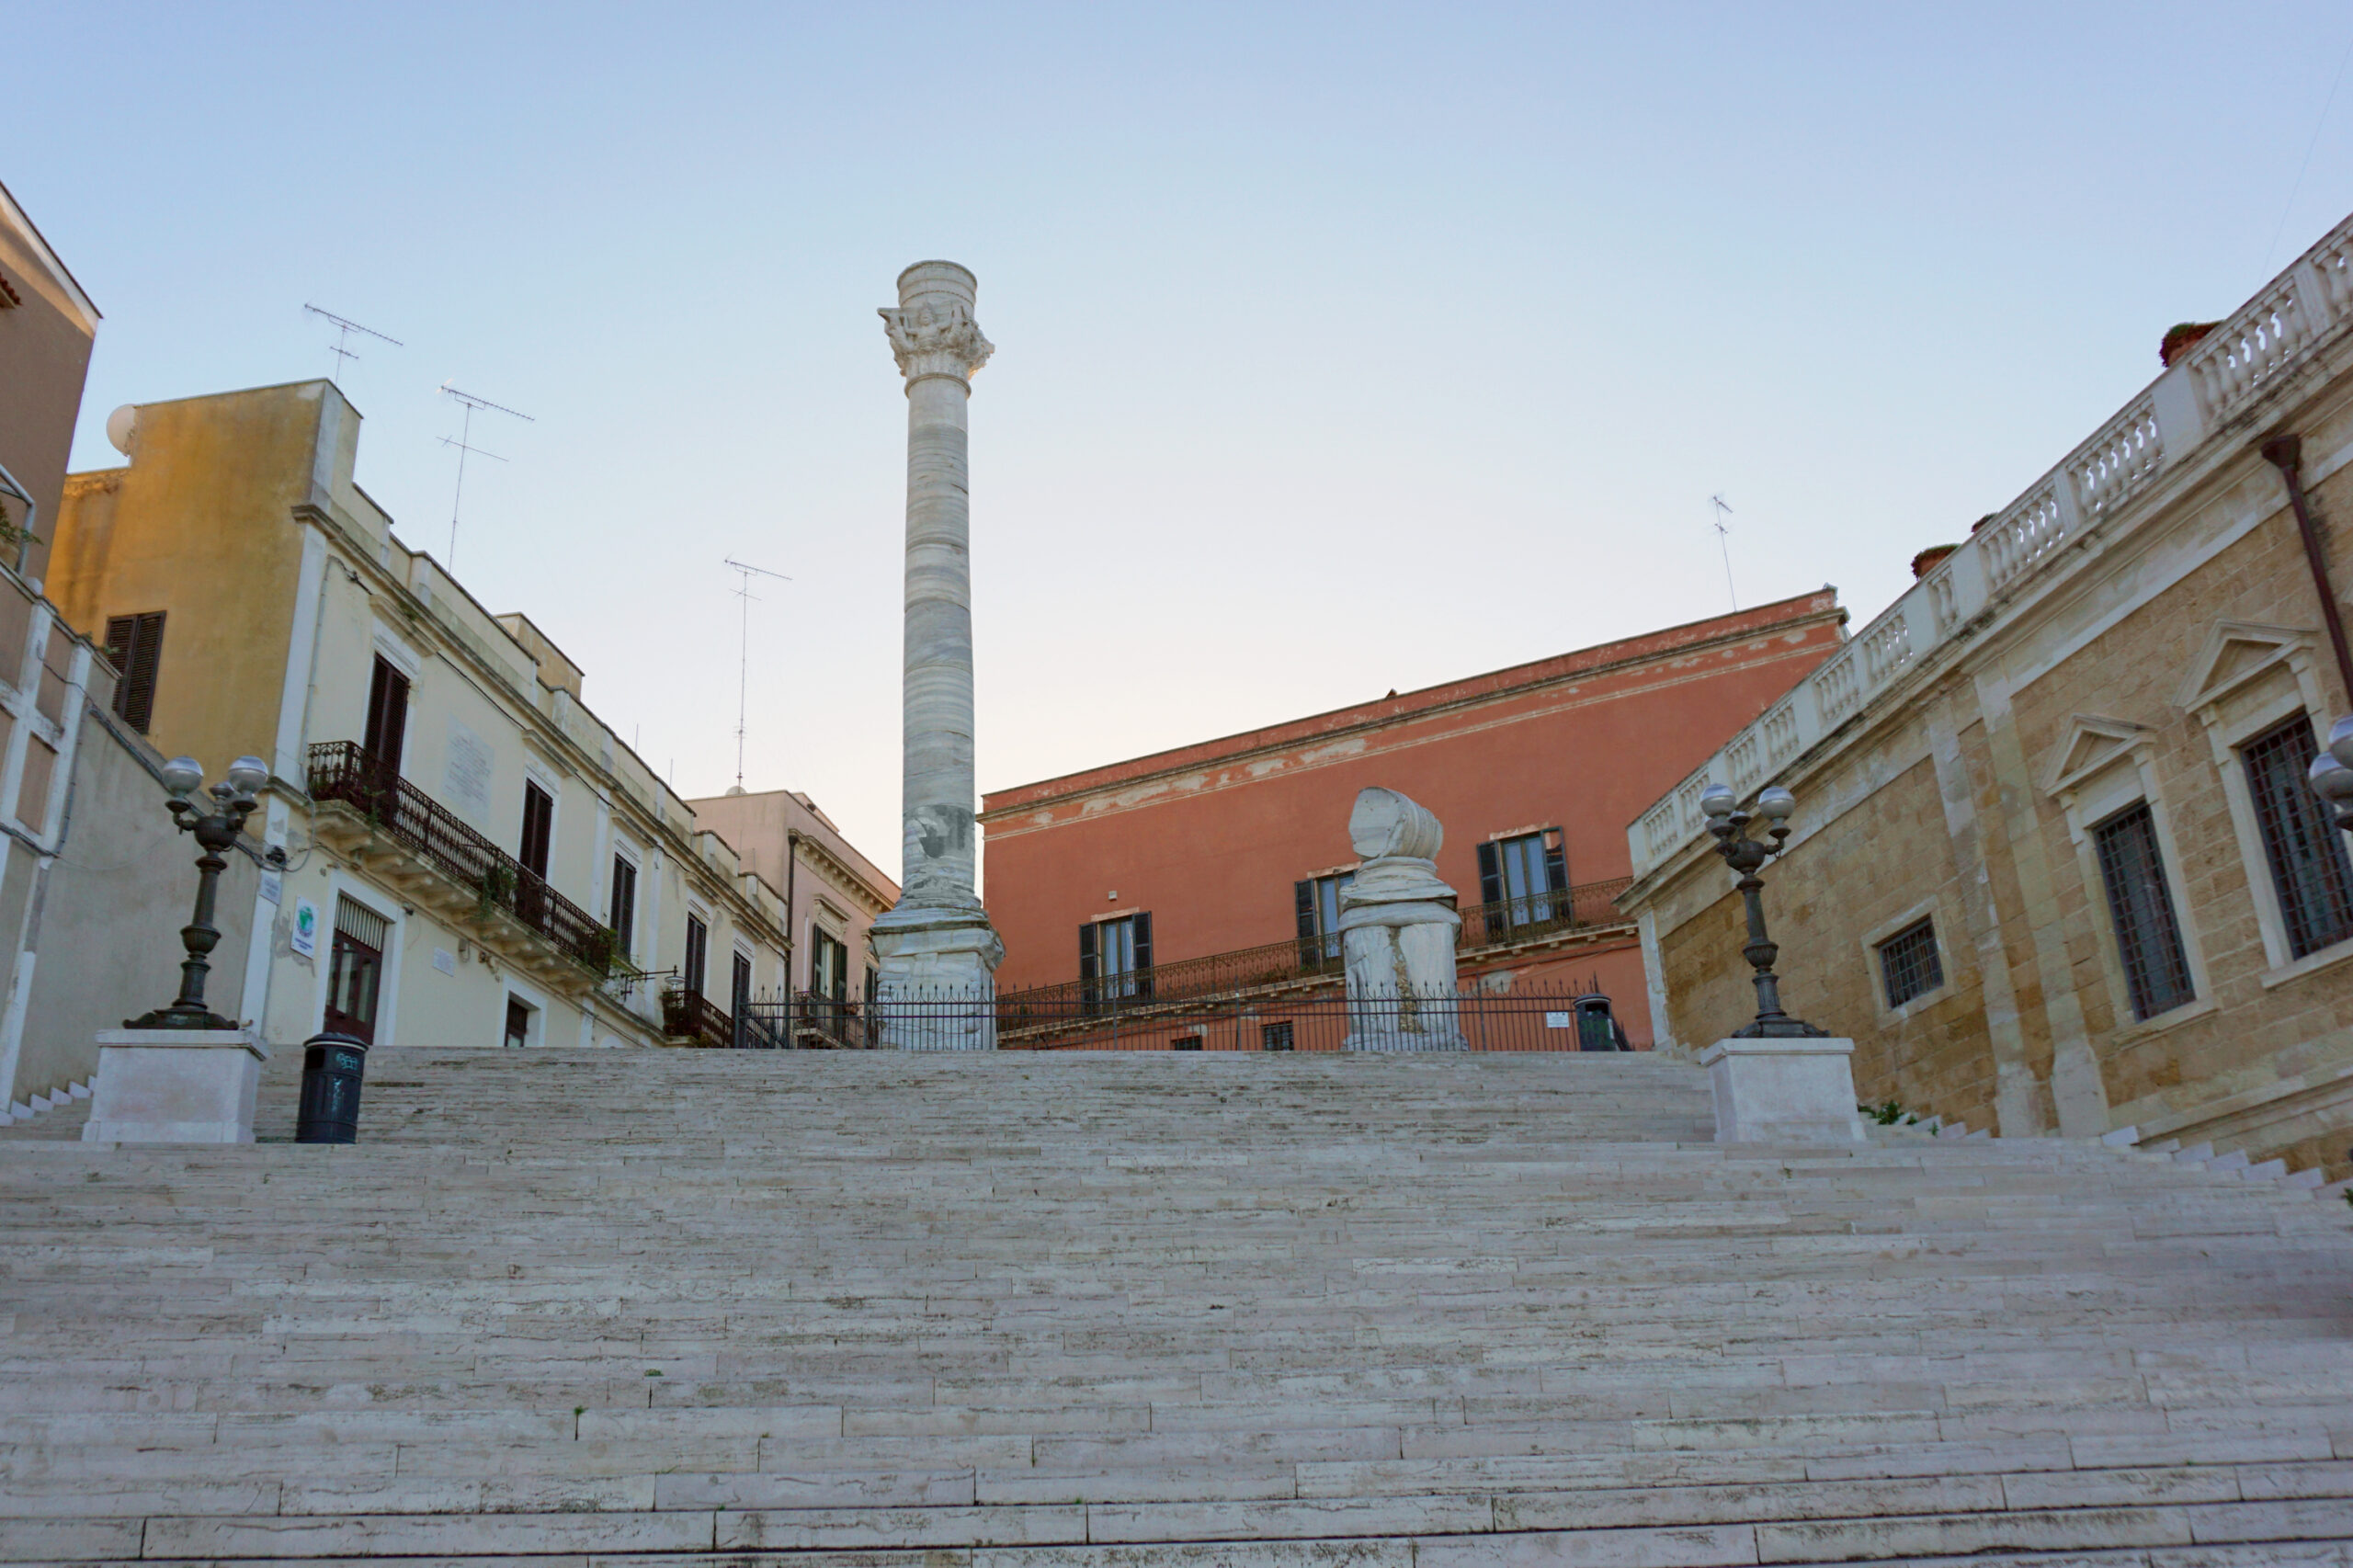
(2055,867)
(471,857)
(834,891)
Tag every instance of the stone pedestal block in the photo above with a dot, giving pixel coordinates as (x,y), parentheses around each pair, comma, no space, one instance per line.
(175,1087)
(1397,930)
(937,986)
(1783,1091)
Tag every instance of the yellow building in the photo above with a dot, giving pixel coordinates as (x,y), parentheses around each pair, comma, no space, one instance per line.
(469,855)
(2055,865)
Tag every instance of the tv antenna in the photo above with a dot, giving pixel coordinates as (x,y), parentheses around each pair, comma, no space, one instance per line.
(343,331)
(744,572)
(1723,542)
(465,436)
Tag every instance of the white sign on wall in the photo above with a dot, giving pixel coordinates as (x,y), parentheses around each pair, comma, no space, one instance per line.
(466,779)
(306,928)
(444,961)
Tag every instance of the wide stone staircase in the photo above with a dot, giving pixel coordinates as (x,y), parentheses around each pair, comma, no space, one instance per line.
(674,1307)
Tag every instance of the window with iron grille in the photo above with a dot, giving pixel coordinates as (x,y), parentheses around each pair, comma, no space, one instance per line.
(2148,936)
(135,647)
(2309,870)
(1909,965)
(1275,1037)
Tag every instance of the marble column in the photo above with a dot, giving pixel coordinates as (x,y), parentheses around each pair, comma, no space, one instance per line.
(1397,929)
(937,947)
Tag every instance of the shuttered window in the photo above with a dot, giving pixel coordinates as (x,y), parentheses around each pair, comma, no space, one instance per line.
(621,912)
(698,946)
(135,647)
(1316,901)
(387,716)
(2148,936)
(1115,957)
(2305,851)
(1522,878)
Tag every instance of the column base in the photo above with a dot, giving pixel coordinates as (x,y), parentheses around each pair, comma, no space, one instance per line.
(1783,1090)
(937,986)
(175,1087)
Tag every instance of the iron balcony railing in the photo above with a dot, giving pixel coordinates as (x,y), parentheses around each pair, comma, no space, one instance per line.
(347,772)
(1316,960)
(691,1016)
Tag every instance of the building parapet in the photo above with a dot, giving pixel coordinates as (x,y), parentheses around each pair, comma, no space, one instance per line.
(2204,393)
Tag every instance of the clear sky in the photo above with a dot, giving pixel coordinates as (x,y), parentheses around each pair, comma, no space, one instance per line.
(1339,348)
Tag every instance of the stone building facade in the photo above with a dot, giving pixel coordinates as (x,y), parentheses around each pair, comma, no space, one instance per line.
(2055,866)
(835,892)
(1226,860)
(463,854)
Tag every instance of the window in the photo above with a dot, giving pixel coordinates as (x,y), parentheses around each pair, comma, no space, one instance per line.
(1275,1037)
(1317,900)
(828,967)
(1522,879)
(518,1022)
(739,983)
(539,829)
(387,717)
(1186,1042)
(698,945)
(1115,959)
(1909,965)
(2148,936)
(135,645)
(2309,870)
(620,913)
(355,970)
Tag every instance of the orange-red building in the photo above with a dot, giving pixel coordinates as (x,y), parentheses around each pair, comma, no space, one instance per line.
(1217,865)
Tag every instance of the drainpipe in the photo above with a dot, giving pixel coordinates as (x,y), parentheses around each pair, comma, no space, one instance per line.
(2286,454)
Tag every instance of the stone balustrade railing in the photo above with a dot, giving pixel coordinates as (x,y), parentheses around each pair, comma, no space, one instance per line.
(2164,424)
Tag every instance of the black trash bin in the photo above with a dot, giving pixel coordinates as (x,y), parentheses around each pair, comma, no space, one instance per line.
(1597,1027)
(332,1066)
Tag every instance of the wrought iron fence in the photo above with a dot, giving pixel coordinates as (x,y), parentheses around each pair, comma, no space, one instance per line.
(691,1016)
(347,772)
(1313,961)
(1538,914)
(1468,1017)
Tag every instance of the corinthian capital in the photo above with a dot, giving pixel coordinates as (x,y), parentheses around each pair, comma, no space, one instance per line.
(935,337)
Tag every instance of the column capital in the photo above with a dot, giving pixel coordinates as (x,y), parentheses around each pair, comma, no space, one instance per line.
(932,332)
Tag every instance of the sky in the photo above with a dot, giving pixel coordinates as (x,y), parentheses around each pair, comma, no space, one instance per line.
(1339,348)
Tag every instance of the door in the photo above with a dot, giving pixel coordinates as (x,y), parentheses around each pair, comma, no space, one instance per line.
(355,971)
(539,829)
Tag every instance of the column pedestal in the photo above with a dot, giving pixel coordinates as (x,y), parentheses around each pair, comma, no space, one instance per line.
(1783,1090)
(938,988)
(175,1087)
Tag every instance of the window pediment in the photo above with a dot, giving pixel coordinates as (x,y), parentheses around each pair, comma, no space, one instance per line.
(2093,745)
(2236,653)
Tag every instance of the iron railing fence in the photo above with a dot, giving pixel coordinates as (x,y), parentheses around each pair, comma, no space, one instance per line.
(1540,915)
(1317,960)
(346,771)
(690,1015)
(1526,1019)
(798,1020)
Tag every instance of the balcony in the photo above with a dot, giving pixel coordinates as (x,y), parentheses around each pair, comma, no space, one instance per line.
(1490,931)
(694,1018)
(367,811)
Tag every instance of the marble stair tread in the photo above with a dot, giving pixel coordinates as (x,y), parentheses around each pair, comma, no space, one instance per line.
(1027,1311)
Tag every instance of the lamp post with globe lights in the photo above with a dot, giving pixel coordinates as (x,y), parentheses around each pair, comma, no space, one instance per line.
(2331,772)
(215,831)
(1746,855)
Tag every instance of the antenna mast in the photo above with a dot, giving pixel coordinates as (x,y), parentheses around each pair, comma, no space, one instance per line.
(744,572)
(465,434)
(343,331)
(1724,510)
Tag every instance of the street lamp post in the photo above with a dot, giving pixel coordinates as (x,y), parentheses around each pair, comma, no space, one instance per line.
(2331,772)
(215,831)
(1746,855)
